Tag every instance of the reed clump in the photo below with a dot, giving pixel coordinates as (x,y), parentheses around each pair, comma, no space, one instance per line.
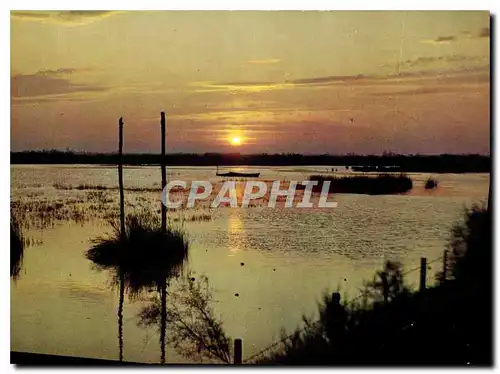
(430,184)
(382,184)
(145,255)
(16,247)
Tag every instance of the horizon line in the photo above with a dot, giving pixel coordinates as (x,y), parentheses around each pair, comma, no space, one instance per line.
(384,153)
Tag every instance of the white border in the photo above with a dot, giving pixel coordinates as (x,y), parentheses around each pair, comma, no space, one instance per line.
(202,5)
(256,5)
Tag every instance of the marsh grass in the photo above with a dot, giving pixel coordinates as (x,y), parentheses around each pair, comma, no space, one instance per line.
(17,245)
(44,214)
(100,206)
(100,187)
(201,217)
(182,216)
(382,184)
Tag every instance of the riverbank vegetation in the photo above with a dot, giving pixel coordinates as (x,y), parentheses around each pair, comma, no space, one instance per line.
(444,163)
(382,184)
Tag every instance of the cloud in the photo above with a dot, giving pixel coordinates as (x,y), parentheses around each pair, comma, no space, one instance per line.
(427,60)
(59,98)
(416,91)
(260,86)
(441,40)
(484,33)
(70,17)
(62,71)
(257,120)
(348,81)
(47,82)
(264,62)
(327,79)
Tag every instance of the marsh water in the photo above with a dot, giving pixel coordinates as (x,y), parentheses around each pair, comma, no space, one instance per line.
(266,267)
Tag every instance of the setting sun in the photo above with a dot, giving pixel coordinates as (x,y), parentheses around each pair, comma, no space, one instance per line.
(235,140)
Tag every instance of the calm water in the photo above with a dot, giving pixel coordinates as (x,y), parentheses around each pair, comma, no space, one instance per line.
(62,305)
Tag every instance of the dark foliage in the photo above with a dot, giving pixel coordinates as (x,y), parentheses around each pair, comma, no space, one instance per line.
(16,248)
(193,331)
(380,185)
(445,163)
(431,184)
(471,248)
(387,283)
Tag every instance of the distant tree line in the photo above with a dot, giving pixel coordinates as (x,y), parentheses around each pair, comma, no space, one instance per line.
(444,163)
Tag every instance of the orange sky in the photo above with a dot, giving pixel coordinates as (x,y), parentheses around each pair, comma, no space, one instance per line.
(305,82)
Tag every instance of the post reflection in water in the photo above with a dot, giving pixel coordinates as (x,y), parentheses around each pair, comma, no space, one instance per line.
(120,315)
(194,331)
(145,258)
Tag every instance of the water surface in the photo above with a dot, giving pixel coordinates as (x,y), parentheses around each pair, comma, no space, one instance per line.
(62,305)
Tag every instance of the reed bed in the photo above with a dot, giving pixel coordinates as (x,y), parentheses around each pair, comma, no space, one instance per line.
(17,245)
(382,184)
(99,187)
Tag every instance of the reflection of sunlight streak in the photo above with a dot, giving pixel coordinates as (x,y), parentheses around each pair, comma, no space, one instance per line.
(235,233)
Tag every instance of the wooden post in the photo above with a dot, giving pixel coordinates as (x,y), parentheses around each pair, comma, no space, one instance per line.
(385,285)
(423,273)
(489,196)
(120,177)
(238,351)
(122,236)
(163,173)
(336,298)
(445,264)
(163,320)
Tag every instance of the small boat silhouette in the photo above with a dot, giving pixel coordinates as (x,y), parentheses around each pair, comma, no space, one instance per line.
(236,174)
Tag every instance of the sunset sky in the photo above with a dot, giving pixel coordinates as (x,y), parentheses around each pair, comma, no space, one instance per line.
(285,81)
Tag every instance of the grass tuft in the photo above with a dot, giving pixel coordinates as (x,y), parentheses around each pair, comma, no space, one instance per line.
(146,256)
(16,247)
(431,183)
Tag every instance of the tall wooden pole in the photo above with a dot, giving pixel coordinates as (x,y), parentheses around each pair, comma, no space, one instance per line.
(163,315)
(122,237)
(163,173)
(120,178)
(489,196)
(238,350)
(163,320)
(423,273)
